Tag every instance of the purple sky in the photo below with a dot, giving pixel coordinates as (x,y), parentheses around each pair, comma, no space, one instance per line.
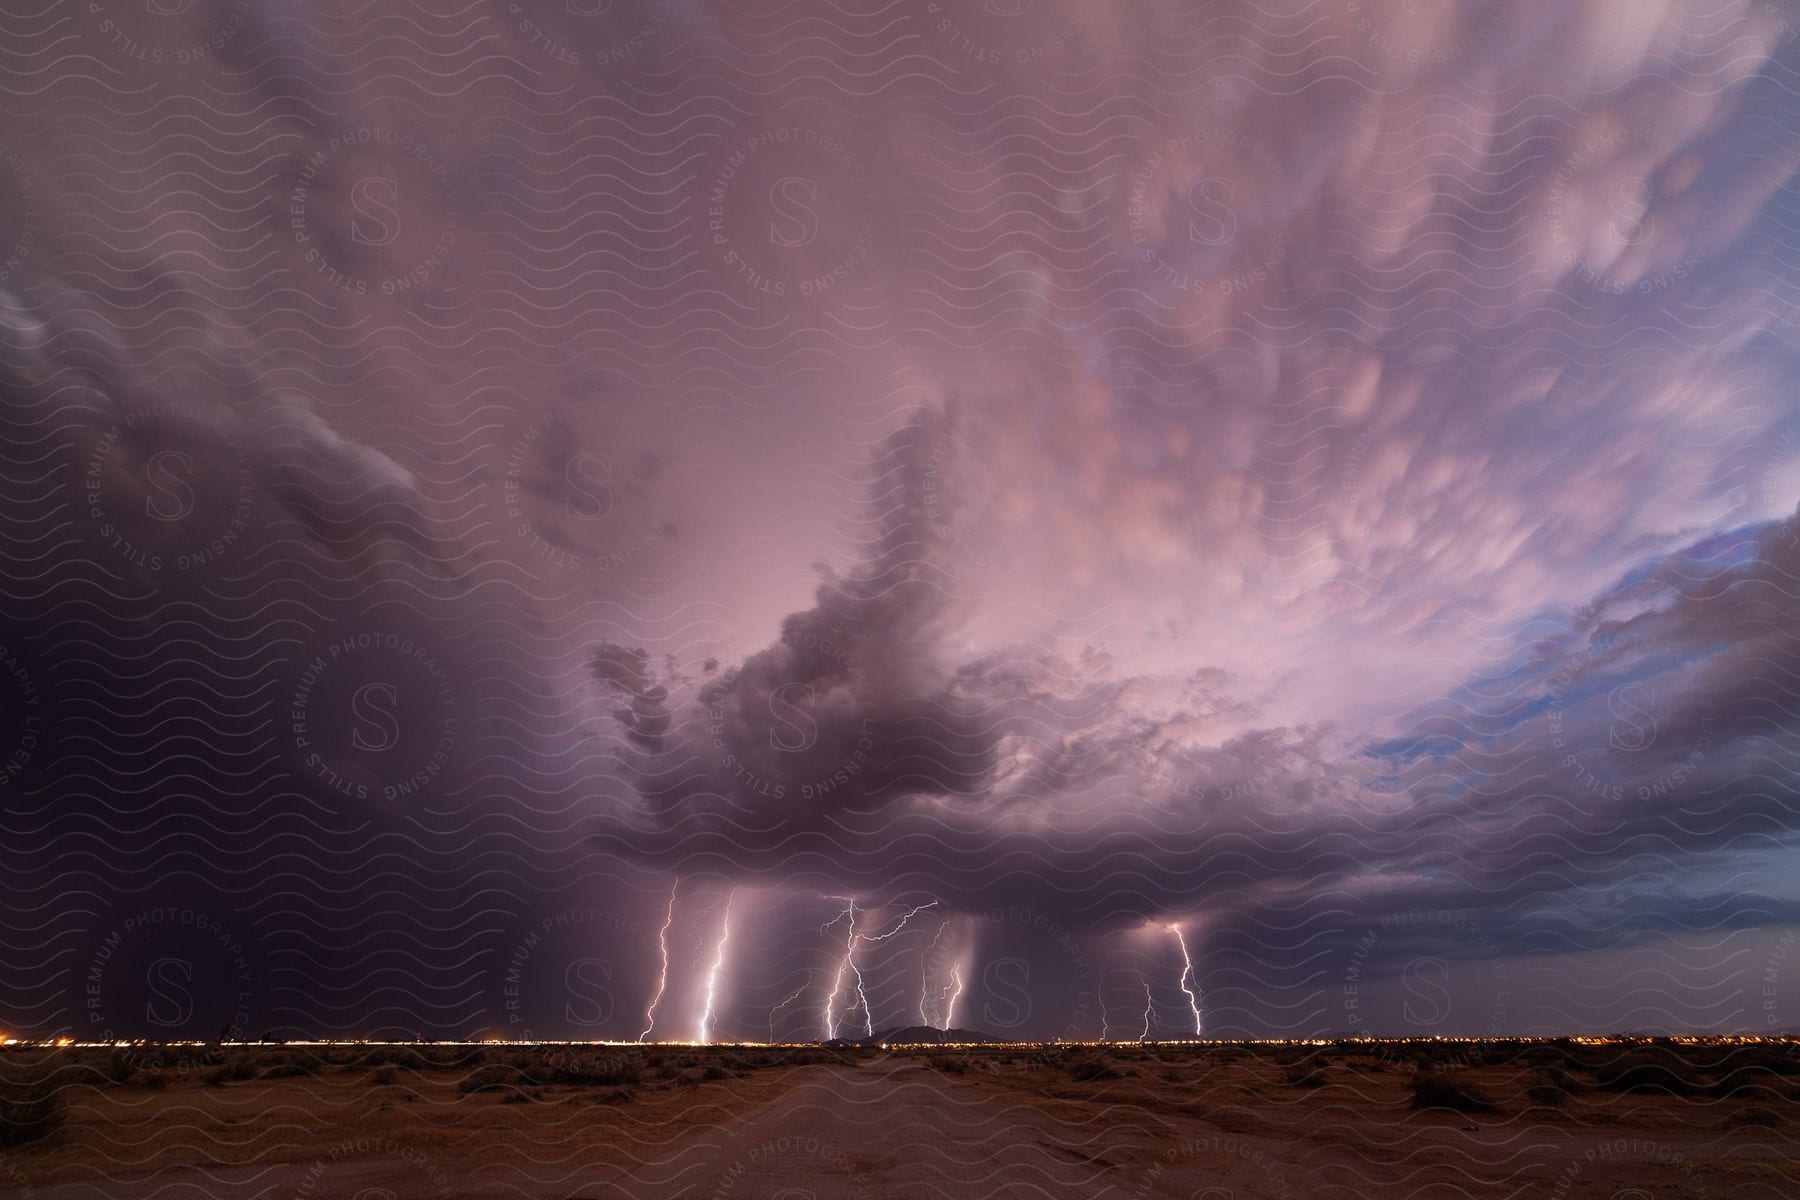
(1271,516)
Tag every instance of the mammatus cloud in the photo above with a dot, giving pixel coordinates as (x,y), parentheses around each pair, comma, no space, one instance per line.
(1638,725)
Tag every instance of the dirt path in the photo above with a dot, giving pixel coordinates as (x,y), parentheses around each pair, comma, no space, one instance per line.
(898,1131)
(891,1130)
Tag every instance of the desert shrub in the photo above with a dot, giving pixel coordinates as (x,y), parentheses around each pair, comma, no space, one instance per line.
(1752,1072)
(820,1057)
(605,1070)
(1552,1087)
(1306,1073)
(1768,1059)
(149,1081)
(1436,1087)
(121,1065)
(521,1096)
(384,1076)
(1756,1091)
(1647,1071)
(1089,1068)
(290,1064)
(404,1057)
(439,1058)
(1756,1116)
(1439,1055)
(1544,1055)
(950,1064)
(1502,1055)
(232,1070)
(1547,1095)
(491,1078)
(30,1110)
(1561,1078)
(1578,1056)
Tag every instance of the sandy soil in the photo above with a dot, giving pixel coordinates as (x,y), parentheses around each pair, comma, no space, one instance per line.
(897,1126)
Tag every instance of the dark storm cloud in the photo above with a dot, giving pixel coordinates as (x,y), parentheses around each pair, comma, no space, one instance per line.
(1023,778)
(247,674)
(261,457)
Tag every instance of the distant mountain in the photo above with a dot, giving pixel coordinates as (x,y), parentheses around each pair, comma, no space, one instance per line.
(921,1035)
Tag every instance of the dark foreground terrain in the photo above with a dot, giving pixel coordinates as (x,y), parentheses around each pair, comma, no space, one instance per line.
(1643,1120)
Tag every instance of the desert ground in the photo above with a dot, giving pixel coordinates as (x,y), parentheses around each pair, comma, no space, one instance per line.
(1643,1120)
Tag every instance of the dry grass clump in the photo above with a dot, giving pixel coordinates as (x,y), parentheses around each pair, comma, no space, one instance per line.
(605,1069)
(1649,1071)
(235,1069)
(530,1073)
(1091,1068)
(1552,1087)
(493,1077)
(32,1108)
(1308,1072)
(1434,1087)
(404,1057)
(1755,1116)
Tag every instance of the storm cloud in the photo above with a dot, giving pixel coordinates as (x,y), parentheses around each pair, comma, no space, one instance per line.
(1305,484)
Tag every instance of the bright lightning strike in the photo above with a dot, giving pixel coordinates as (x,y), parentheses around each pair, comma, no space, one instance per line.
(925,975)
(712,976)
(847,965)
(905,917)
(838,980)
(793,996)
(662,982)
(1148,1005)
(1186,971)
(950,1005)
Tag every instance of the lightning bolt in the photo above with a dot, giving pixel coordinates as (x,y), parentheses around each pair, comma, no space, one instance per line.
(1148,1004)
(950,1006)
(925,973)
(905,917)
(847,965)
(663,982)
(838,981)
(1187,970)
(795,995)
(862,1000)
(712,976)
